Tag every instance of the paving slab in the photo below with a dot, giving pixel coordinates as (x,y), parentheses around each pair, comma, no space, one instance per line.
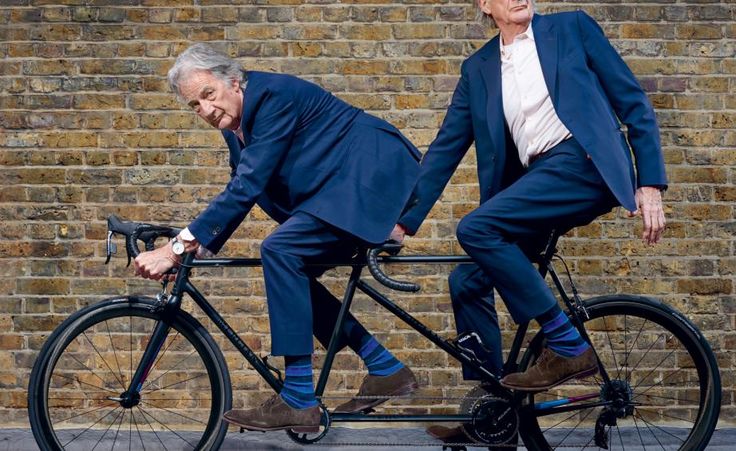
(413,439)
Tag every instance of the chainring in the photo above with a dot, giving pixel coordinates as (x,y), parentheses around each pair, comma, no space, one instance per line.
(495,421)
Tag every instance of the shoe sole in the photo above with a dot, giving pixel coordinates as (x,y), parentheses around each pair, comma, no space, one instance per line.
(405,390)
(295,428)
(580,375)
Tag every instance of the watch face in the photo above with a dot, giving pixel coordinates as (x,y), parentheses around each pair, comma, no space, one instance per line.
(178,247)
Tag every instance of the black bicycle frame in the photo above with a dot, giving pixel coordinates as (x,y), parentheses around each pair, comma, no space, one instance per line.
(182,285)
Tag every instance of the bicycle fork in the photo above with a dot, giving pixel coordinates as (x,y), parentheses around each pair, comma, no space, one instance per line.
(168,306)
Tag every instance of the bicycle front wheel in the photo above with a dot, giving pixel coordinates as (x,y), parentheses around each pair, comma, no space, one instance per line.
(76,386)
(664,389)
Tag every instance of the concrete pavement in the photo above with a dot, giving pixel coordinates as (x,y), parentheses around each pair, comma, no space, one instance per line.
(22,440)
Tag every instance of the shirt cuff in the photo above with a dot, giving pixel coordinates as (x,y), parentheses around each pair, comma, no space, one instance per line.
(202,252)
(186,235)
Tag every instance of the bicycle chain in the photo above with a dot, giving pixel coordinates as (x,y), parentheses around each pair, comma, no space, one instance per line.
(418,444)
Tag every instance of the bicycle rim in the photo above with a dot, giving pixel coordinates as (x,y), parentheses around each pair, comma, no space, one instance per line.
(665,389)
(76,385)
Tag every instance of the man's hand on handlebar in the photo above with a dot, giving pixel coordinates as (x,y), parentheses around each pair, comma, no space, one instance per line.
(156,263)
(398,233)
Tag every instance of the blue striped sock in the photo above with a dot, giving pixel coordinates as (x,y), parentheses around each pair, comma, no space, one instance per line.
(298,390)
(379,361)
(562,337)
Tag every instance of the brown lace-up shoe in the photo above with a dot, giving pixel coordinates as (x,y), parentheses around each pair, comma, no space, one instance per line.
(448,434)
(400,383)
(275,415)
(552,369)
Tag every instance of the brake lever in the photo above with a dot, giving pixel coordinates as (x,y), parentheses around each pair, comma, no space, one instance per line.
(111,247)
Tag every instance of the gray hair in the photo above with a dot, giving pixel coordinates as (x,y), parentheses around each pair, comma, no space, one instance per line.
(486,18)
(204,57)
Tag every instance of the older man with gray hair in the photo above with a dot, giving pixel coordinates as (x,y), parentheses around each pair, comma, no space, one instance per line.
(334,178)
(543,102)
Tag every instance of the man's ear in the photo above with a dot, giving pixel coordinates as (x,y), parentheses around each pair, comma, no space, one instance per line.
(485,6)
(234,83)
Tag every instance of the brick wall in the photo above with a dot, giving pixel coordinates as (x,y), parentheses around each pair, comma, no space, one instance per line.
(88,128)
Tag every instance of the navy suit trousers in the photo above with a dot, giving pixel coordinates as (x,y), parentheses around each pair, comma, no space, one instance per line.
(561,189)
(298,305)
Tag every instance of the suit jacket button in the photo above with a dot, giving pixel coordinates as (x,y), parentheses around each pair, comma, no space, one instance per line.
(216,230)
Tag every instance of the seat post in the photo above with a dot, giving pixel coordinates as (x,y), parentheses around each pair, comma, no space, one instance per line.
(549,251)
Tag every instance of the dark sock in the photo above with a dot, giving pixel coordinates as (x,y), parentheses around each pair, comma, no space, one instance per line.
(379,361)
(562,337)
(298,390)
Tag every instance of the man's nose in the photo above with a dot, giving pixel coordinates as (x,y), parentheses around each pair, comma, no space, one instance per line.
(205,108)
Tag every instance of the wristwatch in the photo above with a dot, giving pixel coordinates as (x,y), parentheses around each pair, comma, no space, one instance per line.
(177,246)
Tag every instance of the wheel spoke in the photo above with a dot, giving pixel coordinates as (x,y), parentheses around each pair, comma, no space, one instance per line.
(87,368)
(86,383)
(641,439)
(657,366)
(620,439)
(108,428)
(168,371)
(610,342)
(104,360)
(648,424)
(85,413)
(117,433)
(161,356)
(649,387)
(175,413)
(167,428)
(114,353)
(665,414)
(585,417)
(90,427)
(152,429)
(175,383)
(140,437)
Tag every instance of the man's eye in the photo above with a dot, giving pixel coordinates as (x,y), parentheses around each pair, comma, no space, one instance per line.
(211,95)
(196,108)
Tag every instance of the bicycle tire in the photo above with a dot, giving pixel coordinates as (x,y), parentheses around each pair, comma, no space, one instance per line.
(691,354)
(62,368)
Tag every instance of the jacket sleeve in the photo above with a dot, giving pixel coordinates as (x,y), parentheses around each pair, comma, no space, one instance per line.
(274,126)
(628,100)
(442,157)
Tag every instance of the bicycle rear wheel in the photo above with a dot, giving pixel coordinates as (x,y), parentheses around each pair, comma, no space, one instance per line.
(88,362)
(664,390)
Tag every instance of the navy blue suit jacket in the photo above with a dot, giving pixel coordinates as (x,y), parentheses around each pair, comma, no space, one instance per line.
(593,92)
(306,150)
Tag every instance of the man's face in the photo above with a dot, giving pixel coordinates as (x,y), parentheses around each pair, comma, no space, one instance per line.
(508,12)
(218,102)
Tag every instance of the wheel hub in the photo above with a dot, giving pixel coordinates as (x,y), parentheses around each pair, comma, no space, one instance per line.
(127,400)
(620,394)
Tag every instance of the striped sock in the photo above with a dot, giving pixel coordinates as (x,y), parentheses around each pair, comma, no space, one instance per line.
(562,337)
(298,390)
(379,361)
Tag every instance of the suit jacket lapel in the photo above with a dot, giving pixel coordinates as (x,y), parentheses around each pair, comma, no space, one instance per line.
(247,113)
(491,72)
(546,41)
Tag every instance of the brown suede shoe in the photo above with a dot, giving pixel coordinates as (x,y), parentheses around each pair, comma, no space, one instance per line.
(400,383)
(552,369)
(448,434)
(275,415)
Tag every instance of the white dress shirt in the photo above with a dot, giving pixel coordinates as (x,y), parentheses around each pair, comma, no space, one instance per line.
(527,106)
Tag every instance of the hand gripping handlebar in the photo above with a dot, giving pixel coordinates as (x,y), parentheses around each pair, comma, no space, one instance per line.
(392,248)
(134,231)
